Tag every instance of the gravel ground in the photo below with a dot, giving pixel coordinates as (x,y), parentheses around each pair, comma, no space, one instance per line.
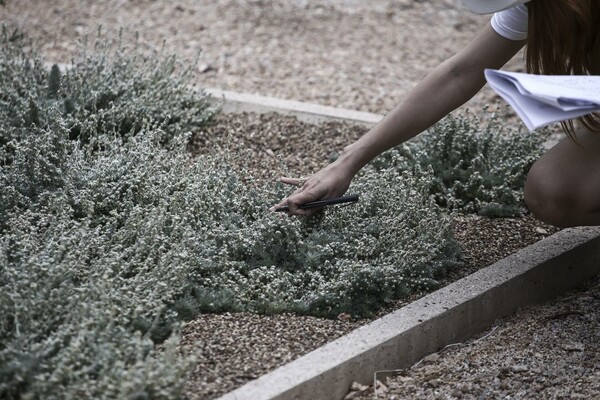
(276,145)
(362,55)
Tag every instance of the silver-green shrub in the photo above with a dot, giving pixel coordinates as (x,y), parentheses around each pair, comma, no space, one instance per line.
(99,265)
(477,169)
(350,259)
(109,88)
(83,301)
(83,260)
(111,234)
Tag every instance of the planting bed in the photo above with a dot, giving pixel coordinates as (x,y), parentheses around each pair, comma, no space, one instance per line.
(236,348)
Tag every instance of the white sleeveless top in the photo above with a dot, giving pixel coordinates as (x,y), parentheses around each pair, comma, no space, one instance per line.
(511,23)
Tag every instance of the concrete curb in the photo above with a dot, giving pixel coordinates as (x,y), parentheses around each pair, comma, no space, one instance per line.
(235,102)
(452,314)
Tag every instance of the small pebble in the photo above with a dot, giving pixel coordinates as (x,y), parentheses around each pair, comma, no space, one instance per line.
(519,368)
(432,358)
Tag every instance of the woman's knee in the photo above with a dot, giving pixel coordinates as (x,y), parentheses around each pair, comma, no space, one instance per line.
(548,195)
(563,186)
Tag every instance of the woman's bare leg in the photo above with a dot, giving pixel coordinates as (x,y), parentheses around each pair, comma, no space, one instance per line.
(563,186)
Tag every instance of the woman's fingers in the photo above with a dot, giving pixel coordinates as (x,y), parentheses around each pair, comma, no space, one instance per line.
(293,181)
(289,181)
(293,203)
(329,182)
(300,196)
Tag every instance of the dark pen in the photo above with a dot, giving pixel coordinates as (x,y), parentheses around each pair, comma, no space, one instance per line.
(320,203)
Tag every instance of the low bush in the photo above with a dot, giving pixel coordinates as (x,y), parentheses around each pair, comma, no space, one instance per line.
(88,266)
(350,259)
(111,235)
(105,92)
(477,169)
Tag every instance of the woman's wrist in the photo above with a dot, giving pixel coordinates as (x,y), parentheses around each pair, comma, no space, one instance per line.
(352,159)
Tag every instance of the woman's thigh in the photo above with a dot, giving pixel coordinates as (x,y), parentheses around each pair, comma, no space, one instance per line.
(563,186)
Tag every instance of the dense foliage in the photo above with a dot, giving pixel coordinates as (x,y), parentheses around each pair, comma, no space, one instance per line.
(477,169)
(111,234)
(84,289)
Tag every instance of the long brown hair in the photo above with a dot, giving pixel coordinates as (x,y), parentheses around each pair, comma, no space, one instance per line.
(564,39)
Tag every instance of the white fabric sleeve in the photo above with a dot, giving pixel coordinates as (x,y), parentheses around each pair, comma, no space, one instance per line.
(511,23)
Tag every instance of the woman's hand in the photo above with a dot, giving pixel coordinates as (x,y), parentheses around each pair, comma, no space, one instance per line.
(331,181)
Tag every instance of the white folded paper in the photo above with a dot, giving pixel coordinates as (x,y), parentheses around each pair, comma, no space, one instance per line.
(542,99)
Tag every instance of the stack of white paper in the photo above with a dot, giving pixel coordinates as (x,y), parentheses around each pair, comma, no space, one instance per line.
(542,99)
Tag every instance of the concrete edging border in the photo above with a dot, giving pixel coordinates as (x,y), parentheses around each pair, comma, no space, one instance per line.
(452,314)
(235,102)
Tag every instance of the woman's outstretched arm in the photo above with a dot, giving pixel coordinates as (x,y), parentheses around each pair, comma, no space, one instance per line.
(447,87)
